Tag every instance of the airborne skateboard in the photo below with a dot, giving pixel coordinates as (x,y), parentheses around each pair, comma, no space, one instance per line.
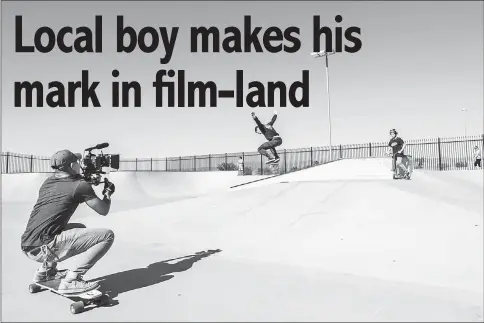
(274,168)
(94,297)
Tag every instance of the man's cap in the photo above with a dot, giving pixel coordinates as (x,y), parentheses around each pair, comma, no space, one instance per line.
(63,158)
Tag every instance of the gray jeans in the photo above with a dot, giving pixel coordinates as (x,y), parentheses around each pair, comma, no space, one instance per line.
(74,240)
(271,145)
(404,163)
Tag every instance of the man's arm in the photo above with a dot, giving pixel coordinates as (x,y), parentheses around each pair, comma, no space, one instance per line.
(403,146)
(102,207)
(274,117)
(86,194)
(259,124)
(389,148)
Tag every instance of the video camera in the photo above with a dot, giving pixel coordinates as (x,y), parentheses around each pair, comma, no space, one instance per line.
(92,164)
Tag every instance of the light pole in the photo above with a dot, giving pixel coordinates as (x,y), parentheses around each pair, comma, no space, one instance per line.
(465,121)
(465,134)
(325,54)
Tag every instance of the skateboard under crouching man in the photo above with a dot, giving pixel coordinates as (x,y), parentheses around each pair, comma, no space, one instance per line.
(92,297)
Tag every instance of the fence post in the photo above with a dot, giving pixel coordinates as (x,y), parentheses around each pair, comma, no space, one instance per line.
(179,164)
(440,154)
(31,163)
(311,156)
(226,160)
(136,164)
(166,164)
(194,163)
(261,166)
(370,148)
(340,152)
(151,164)
(209,162)
(243,164)
(285,161)
(6,164)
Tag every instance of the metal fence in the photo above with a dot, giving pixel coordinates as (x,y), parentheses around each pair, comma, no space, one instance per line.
(430,154)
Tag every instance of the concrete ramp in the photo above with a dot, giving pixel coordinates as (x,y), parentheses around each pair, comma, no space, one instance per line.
(18,188)
(134,190)
(333,225)
(315,245)
(345,169)
(172,184)
(132,186)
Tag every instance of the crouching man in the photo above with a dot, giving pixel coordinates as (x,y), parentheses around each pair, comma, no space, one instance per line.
(49,238)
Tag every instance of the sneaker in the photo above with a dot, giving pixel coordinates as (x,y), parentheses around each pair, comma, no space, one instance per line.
(76,286)
(272,160)
(46,274)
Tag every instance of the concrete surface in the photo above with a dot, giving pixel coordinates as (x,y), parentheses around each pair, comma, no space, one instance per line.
(338,242)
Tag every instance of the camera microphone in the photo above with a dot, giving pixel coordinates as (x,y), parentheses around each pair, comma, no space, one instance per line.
(98,146)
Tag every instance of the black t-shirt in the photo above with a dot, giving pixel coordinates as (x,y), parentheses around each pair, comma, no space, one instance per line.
(396,144)
(267,130)
(57,201)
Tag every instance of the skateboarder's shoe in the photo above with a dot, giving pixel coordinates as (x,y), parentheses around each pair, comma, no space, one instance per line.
(76,286)
(273,160)
(44,274)
(50,274)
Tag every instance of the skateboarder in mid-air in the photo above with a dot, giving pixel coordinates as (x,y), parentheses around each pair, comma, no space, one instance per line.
(397,148)
(274,140)
(49,239)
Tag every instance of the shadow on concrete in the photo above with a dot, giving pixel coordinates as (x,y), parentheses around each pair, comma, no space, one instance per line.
(154,273)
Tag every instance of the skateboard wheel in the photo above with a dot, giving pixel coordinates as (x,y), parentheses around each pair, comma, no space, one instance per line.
(34,288)
(104,300)
(77,307)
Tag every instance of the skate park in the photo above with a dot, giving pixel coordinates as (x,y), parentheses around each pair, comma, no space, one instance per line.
(304,246)
(187,93)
